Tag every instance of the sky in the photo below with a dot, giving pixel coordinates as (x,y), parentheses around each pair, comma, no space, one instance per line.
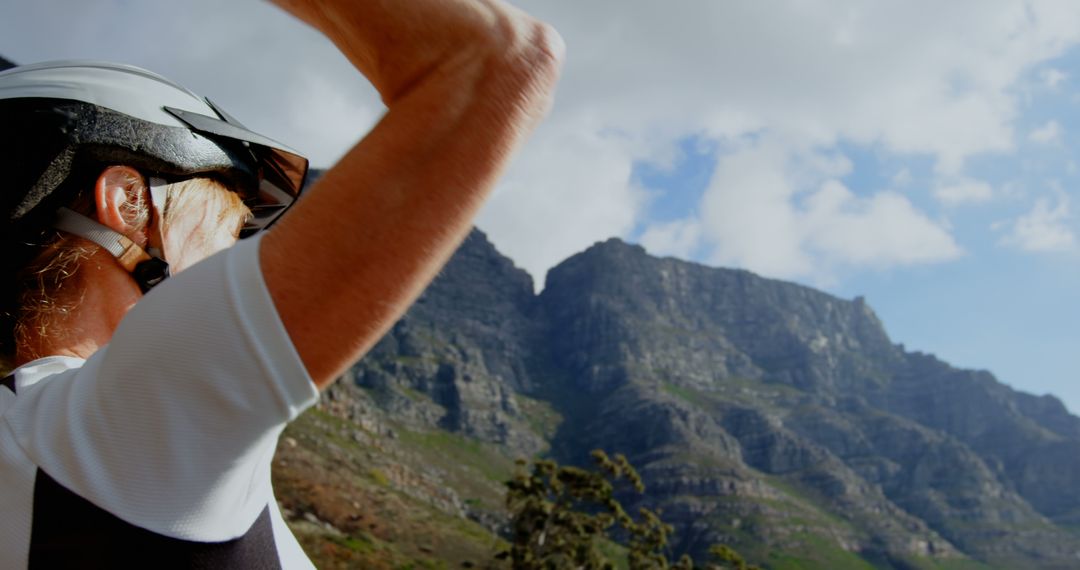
(922,154)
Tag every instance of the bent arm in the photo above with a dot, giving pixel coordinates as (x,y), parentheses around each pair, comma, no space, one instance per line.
(465,81)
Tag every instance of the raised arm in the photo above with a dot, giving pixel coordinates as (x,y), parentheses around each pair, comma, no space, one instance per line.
(465,81)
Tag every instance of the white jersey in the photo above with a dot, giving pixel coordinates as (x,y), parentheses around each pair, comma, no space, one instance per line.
(156,452)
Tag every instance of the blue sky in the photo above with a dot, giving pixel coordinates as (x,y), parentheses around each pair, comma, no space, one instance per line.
(1004,304)
(1007,310)
(918,153)
(1012,309)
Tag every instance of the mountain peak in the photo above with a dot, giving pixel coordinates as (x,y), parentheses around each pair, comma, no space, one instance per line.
(615,243)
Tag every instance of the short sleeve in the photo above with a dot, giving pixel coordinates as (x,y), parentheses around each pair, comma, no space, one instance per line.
(173,426)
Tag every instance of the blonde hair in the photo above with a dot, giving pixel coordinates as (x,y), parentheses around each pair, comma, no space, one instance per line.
(39,302)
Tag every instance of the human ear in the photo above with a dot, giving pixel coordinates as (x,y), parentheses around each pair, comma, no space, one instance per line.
(118,191)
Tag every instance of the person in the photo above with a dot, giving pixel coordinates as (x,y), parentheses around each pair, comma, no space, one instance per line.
(157,362)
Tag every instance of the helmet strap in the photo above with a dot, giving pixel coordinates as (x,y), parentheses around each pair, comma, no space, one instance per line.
(147,269)
(156,240)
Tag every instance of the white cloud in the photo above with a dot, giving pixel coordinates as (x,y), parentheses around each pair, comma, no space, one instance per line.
(748,217)
(1046,134)
(1045,228)
(882,230)
(901,178)
(541,214)
(858,73)
(755,214)
(724,71)
(679,238)
(1053,77)
(640,76)
(964,191)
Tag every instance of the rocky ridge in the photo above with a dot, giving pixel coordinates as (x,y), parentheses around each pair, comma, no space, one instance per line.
(762,414)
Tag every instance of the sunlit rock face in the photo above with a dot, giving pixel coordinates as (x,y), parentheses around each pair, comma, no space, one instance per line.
(761,413)
(816,396)
(463,355)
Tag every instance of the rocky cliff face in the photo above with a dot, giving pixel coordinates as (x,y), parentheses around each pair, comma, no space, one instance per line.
(761,414)
(693,325)
(814,392)
(463,354)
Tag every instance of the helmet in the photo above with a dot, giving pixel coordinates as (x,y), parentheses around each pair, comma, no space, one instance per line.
(62,122)
(59,116)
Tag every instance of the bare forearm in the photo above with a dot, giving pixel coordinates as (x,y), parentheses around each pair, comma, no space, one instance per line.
(355,252)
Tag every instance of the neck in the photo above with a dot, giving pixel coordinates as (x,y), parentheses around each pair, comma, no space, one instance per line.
(83,315)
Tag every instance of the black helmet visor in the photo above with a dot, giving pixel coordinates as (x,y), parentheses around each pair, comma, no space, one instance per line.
(280,170)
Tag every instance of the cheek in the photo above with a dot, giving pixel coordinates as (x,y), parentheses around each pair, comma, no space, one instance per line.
(221,240)
(192,245)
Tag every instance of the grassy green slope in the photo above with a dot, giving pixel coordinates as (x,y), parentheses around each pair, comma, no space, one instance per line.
(360,501)
(410,499)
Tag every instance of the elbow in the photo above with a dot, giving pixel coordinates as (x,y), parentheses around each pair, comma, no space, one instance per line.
(543,48)
(527,61)
(520,46)
(506,55)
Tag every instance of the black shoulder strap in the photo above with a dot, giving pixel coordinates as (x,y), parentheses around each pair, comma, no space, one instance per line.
(9,382)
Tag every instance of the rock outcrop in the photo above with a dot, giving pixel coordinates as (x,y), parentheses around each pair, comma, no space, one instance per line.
(461,357)
(761,413)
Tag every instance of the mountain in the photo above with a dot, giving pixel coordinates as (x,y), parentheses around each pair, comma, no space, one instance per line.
(4,64)
(794,390)
(761,414)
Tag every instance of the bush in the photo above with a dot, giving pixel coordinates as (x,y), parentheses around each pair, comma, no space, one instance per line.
(561,515)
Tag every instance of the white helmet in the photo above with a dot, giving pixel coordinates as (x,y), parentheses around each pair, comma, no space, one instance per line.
(62,122)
